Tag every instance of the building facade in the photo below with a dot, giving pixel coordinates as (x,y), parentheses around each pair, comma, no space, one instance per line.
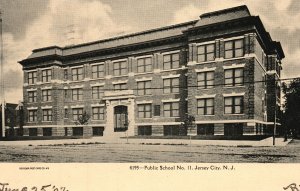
(223,69)
(13,119)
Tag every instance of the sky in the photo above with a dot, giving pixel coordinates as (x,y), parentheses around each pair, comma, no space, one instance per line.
(31,24)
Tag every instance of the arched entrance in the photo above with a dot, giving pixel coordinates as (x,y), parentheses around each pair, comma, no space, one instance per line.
(120,118)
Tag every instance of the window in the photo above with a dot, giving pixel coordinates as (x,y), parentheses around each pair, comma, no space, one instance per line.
(171,61)
(171,130)
(144,130)
(118,87)
(98,71)
(98,131)
(206,53)
(157,110)
(205,106)
(144,110)
(65,74)
(65,93)
(77,112)
(120,68)
(98,113)
(233,129)
(205,129)
(46,75)
(171,109)
(32,77)
(32,131)
(265,79)
(144,65)
(234,48)
(205,80)
(97,92)
(234,77)
(47,131)
(263,58)
(171,85)
(144,88)
(263,106)
(278,68)
(77,74)
(46,95)
(32,96)
(66,114)
(66,131)
(233,105)
(77,131)
(47,114)
(77,94)
(32,115)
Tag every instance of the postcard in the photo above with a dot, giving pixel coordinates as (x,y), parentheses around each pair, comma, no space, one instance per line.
(149,95)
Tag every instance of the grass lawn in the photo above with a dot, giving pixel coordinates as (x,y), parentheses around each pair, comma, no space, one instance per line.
(108,152)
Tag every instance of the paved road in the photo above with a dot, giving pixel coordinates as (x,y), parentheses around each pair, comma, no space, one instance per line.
(110,152)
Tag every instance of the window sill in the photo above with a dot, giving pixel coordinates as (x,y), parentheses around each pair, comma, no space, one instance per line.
(98,120)
(243,86)
(171,93)
(148,95)
(174,69)
(74,81)
(142,73)
(206,62)
(205,88)
(234,58)
(217,60)
(120,76)
(233,114)
(100,78)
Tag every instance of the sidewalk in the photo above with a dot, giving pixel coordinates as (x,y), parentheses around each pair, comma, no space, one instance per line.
(262,143)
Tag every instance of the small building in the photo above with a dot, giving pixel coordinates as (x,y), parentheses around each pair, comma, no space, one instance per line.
(13,119)
(222,68)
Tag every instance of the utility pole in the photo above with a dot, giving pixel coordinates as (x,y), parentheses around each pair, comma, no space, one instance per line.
(2,79)
(275,112)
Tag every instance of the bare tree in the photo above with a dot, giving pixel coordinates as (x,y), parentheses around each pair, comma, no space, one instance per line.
(187,125)
(83,119)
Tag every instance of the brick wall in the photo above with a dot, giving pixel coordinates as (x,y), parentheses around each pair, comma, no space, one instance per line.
(188,77)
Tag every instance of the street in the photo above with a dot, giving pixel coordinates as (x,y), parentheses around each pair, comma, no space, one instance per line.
(101,152)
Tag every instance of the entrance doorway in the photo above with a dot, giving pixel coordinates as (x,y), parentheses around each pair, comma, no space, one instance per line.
(120,118)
